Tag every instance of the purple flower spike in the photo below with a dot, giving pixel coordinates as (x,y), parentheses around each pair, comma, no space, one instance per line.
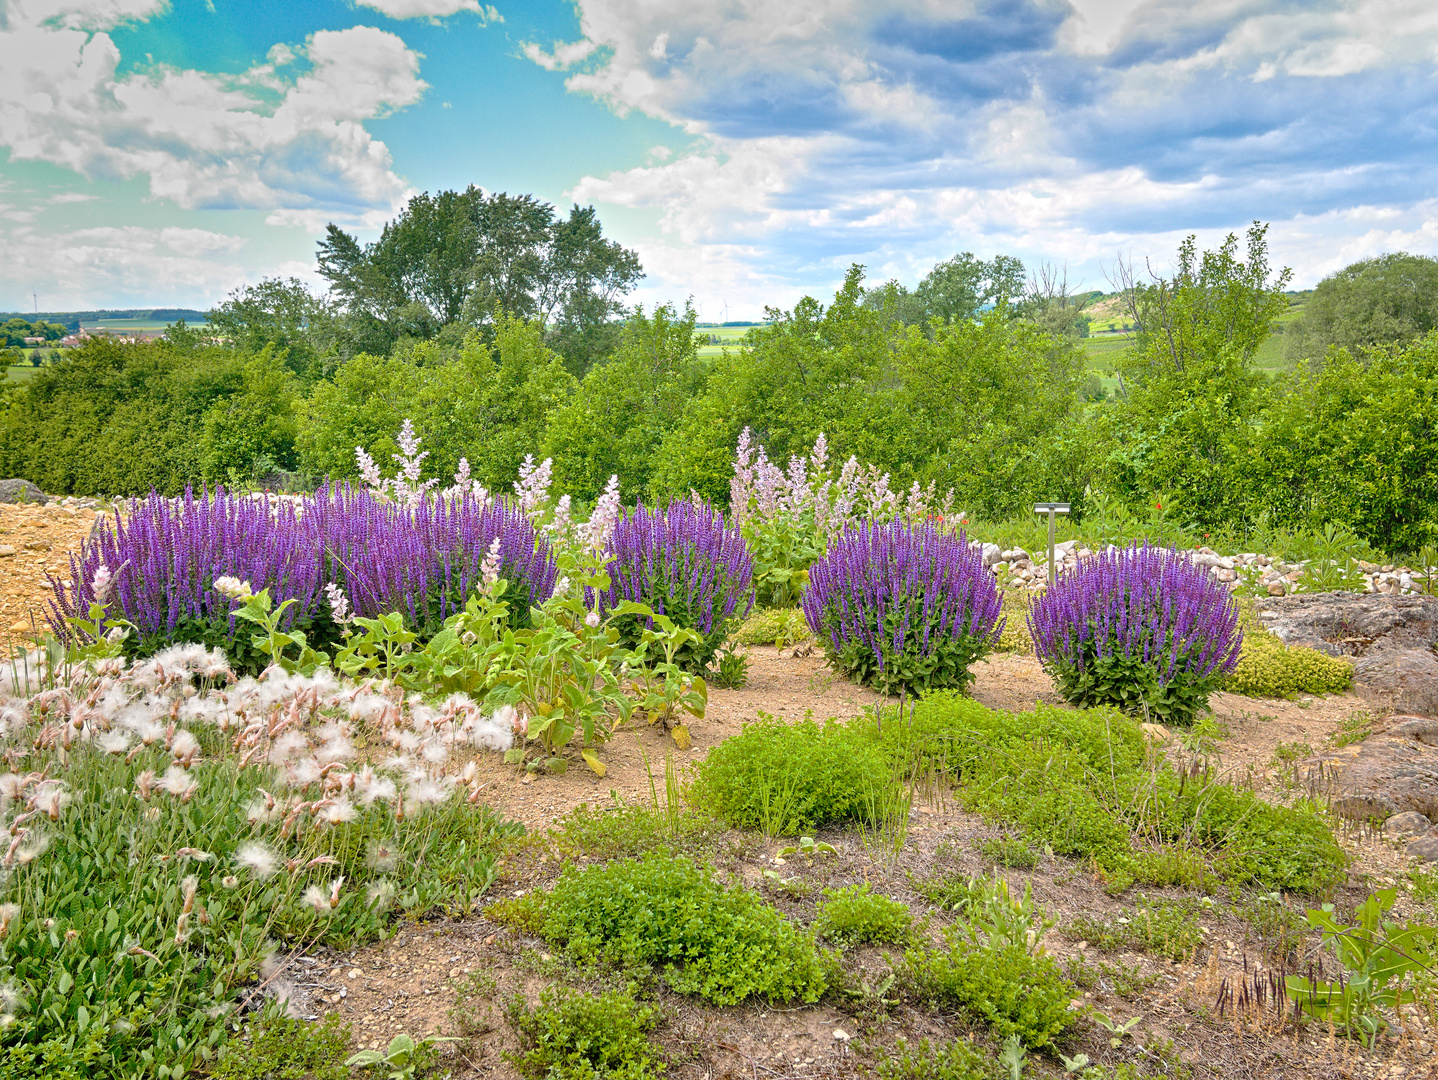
(685,562)
(1142,628)
(901,606)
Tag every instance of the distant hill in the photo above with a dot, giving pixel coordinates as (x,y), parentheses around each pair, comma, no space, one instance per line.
(72,320)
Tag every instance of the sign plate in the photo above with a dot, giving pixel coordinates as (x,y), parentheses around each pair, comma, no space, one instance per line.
(1051,508)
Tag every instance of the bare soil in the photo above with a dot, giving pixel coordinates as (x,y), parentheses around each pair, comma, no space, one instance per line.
(43,540)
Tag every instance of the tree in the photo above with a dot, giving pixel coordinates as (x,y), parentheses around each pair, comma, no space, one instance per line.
(286,316)
(964,286)
(1353,442)
(252,431)
(626,405)
(1190,392)
(451,261)
(1390,299)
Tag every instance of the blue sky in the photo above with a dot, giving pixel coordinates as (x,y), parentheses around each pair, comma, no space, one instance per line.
(163,153)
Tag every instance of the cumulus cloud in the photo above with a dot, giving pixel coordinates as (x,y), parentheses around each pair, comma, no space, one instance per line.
(835,130)
(433,9)
(292,143)
(112,265)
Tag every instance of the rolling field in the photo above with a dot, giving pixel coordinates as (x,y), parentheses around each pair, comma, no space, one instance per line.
(729,337)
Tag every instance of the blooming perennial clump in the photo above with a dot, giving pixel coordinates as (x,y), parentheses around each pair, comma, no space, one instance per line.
(903,607)
(174,567)
(685,562)
(1141,628)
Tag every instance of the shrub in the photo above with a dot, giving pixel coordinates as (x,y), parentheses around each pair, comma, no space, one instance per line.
(665,911)
(686,563)
(855,916)
(166,554)
(1141,628)
(786,778)
(574,1036)
(903,607)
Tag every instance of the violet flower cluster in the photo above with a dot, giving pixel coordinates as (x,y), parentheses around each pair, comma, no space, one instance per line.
(1140,603)
(685,562)
(159,561)
(901,605)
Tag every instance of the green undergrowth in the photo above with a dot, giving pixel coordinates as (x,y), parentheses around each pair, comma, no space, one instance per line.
(144,909)
(570,1035)
(857,916)
(283,1048)
(780,627)
(956,1060)
(784,778)
(1082,784)
(620,831)
(1158,926)
(1270,669)
(666,912)
(1088,785)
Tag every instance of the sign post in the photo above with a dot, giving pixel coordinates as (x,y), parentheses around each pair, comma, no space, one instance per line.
(1051,509)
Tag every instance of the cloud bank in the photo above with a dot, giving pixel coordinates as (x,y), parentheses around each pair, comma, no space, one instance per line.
(833,131)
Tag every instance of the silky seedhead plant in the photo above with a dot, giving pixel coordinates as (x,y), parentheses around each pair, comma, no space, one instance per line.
(904,607)
(1140,628)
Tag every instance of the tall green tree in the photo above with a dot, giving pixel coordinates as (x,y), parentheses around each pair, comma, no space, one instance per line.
(626,405)
(1390,299)
(1190,393)
(450,261)
(301,327)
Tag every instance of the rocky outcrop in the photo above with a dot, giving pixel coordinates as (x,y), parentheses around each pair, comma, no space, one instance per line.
(1391,639)
(1390,777)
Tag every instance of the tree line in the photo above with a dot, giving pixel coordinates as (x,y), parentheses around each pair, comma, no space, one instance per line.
(499,326)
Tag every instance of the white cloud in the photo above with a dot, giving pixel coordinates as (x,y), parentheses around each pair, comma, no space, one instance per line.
(433,9)
(118,266)
(204,140)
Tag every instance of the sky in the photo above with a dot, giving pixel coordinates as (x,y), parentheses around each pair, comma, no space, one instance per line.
(165,152)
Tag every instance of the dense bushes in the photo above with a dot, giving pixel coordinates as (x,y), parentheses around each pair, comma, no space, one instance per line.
(903,607)
(663,910)
(1143,629)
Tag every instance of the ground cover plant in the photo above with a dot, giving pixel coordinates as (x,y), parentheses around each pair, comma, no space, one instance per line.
(664,911)
(1143,629)
(903,607)
(784,778)
(575,1036)
(171,831)
(1087,784)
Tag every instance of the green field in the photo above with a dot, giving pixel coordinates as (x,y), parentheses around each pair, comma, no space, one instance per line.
(729,337)
(120,326)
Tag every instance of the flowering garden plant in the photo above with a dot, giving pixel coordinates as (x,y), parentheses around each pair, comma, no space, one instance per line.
(1141,628)
(686,563)
(903,607)
(788,516)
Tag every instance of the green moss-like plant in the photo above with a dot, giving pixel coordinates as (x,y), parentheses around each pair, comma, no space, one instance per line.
(855,916)
(665,911)
(574,1036)
(1269,668)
